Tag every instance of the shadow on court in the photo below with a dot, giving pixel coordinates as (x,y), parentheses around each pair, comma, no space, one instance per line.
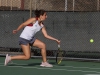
(33,64)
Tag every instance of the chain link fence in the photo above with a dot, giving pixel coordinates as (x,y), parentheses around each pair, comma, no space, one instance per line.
(75,29)
(51,5)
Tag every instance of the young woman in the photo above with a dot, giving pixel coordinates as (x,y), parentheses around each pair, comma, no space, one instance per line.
(27,39)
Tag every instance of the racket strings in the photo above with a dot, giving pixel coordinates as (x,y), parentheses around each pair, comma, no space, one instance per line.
(59,56)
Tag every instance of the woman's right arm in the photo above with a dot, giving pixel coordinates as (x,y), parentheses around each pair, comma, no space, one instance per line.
(31,20)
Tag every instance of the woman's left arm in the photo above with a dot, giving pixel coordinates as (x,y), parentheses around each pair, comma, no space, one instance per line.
(48,36)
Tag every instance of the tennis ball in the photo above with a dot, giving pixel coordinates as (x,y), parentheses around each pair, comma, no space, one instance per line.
(91,40)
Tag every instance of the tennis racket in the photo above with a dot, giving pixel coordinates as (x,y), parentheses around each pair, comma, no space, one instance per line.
(59,55)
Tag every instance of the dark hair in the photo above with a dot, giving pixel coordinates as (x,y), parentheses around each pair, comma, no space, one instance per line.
(39,12)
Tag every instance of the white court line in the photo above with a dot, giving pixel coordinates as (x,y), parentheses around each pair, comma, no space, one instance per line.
(61,66)
(92,74)
(64,66)
(51,68)
(80,67)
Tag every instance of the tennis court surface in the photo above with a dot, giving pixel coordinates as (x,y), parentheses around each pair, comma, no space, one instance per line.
(31,67)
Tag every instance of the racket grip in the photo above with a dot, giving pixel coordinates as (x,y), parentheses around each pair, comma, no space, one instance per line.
(58,45)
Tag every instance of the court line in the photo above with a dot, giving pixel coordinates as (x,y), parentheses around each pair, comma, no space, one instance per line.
(80,67)
(52,68)
(63,66)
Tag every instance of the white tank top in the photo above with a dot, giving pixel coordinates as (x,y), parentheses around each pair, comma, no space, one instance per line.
(30,30)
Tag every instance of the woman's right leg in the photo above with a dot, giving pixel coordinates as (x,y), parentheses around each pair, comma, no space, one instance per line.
(26,51)
(24,56)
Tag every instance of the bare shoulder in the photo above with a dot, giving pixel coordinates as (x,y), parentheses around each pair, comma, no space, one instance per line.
(33,19)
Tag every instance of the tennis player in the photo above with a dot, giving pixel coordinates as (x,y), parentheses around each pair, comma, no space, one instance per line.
(27,39)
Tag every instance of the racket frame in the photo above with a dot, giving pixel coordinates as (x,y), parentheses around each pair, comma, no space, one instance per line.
(59,50)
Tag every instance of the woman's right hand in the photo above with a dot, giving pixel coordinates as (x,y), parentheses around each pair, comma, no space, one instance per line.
(14,31)
(58,41)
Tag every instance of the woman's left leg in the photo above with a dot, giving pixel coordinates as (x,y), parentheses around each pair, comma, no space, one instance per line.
(42,46)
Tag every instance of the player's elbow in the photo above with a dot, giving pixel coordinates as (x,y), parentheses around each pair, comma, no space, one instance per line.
(46,36)
(23,24)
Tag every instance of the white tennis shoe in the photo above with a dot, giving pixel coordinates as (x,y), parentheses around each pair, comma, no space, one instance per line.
(7,60)
(46,64)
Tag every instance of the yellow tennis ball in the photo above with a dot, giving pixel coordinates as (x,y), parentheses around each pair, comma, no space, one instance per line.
(91,40)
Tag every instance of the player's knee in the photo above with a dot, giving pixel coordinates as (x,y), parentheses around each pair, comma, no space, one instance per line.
(27,57)
(43,45)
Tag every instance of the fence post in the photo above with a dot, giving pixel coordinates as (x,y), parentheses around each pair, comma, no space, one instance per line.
(73,5)
(11,2)
(0,3)
(30,8)
(97,5)
(65,5)
(6,3)
(35,4)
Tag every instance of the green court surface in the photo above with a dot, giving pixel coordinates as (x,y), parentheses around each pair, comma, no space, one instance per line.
(31,67)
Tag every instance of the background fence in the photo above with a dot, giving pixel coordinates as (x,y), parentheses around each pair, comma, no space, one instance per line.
(51,5)
(75,29)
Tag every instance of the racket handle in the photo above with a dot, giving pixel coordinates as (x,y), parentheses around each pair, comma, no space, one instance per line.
(58,45)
